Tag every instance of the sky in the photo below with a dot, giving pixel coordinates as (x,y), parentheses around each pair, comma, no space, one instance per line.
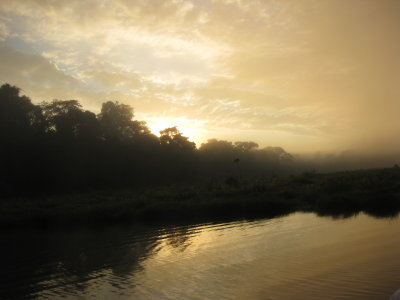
(306,75)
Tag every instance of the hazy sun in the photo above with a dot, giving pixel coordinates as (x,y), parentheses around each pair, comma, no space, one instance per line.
(185,126)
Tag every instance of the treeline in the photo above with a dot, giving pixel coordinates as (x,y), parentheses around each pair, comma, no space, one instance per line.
(59,146)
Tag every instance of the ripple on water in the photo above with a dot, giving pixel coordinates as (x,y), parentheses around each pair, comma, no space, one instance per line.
(299,256)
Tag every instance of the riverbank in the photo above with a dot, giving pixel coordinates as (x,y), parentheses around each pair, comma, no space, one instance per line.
(376,192)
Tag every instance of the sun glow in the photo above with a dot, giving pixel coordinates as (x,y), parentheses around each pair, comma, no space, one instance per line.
(188,128)
(275,72)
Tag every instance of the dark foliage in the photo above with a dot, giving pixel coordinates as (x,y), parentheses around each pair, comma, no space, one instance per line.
(58,147)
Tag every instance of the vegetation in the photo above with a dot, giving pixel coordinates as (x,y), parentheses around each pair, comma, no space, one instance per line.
(61,164)
(58,147)
(376,192)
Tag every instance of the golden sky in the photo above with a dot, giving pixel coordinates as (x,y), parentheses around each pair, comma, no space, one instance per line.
(306,75)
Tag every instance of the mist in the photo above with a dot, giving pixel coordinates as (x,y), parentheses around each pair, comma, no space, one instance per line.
(208,149)
(304,75)
(59,146)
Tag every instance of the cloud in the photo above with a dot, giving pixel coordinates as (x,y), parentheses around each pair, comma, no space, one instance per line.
(32,70)
(303,74)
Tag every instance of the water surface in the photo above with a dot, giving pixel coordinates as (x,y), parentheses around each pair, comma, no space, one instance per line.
(299,256)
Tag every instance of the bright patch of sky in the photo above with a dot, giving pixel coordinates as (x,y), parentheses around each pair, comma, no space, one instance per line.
(304,74)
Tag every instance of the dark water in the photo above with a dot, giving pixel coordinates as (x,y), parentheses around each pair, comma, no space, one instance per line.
(300,256)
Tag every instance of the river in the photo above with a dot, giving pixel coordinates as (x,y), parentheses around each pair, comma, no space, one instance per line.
(298,256)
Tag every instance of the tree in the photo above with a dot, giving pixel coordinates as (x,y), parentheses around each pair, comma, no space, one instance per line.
(18,115)
(173,137)
(67,119)
(217,146)
(237,161)
(277,154)
(245,146)
(116,121)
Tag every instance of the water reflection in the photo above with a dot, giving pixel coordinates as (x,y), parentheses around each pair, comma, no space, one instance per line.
(300,254)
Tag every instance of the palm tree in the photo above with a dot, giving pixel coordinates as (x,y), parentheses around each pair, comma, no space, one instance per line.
(237,161)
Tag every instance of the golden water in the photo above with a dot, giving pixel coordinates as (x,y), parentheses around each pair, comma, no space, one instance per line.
(299,256)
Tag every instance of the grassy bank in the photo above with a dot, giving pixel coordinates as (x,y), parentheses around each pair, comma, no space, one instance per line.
(376,192)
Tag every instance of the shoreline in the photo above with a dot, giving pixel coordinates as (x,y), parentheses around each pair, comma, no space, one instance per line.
(375,192)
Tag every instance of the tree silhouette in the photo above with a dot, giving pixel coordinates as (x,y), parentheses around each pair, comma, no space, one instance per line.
(67,119)
(116,122)
(58,146)
(237,161)
(173,137)
(18,116)
(245,146)
(277,154)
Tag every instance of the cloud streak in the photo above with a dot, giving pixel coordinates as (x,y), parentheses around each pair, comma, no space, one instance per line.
(304,74)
